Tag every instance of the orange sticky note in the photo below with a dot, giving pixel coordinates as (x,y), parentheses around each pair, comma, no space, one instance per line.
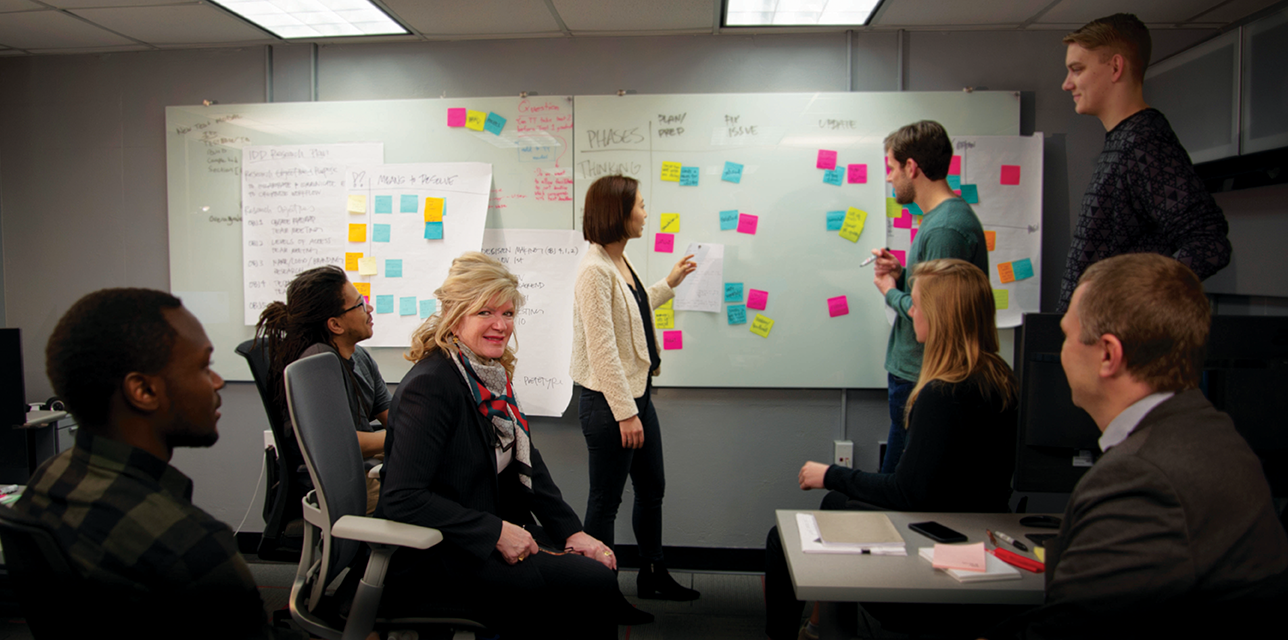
(357,233)
(364,288)
(1005,272)
(990,238)
(351,261)
(434,209)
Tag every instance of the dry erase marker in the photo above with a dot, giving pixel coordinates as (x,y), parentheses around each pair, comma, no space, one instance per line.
(1007,539)
(870,259)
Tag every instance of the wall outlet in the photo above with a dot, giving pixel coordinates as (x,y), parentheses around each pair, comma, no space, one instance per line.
(844,455)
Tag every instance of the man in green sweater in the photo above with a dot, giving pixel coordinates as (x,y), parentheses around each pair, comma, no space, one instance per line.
(917,159)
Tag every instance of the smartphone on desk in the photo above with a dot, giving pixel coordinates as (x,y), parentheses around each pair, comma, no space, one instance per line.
(937,532)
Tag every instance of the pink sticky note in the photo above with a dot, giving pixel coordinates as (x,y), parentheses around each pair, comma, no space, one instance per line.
(1010,174)
(838,306)
(672,339)
(901,255)
(858,174)
(826,159)
(456,117)
(747,224)
(757,299)
(904,221)
(664,242)
(955,167)
(966,557)
(913,235)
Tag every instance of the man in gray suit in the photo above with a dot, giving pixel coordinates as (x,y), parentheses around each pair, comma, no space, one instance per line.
(1173,530)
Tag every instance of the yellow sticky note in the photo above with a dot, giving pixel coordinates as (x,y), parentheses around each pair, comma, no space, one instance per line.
(1001,298)
(669,304)
(351,261)
(475,120)
(670,223)
(671,171)
(893,208)
(1040,552)
(357,233)
(852,226)
(664,319)
(760,325)
(367,267)
(434,209)
(1005,273)
(990,238)
(364,288)
(357,204)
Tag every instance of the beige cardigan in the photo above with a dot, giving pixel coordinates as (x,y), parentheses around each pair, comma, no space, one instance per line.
(609,348)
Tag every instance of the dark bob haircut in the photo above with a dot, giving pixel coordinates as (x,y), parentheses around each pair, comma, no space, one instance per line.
(609,202)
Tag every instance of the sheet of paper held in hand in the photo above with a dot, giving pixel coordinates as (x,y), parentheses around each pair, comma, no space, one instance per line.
(703,290)
(849,532)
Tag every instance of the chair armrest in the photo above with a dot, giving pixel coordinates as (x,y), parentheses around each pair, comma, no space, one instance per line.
(381,531)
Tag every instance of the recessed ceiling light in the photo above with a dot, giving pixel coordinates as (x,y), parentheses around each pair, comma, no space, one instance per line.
(798,13)
(315,18)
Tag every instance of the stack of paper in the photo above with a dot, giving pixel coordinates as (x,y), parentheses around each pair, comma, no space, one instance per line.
(849,532)
(994,570)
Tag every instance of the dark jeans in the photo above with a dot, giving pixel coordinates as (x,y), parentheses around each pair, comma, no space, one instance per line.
(899,390)
(609,466)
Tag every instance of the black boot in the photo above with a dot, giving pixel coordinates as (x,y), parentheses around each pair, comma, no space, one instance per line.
(626,615)
(654,583)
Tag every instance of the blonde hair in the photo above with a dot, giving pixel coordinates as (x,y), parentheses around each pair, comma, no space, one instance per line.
(1121,33)
(474,280)
(961,337)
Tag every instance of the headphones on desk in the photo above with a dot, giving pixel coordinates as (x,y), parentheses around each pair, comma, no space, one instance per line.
(53,404)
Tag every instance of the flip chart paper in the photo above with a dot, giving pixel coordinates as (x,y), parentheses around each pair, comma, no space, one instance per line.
(838,306)
(703,290)
(664,242)
(757,299)
(761,326)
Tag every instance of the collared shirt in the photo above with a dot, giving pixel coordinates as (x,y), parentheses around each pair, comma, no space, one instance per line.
(1125,423)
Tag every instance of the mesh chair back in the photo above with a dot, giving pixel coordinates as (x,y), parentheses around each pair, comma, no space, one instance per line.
(42,577)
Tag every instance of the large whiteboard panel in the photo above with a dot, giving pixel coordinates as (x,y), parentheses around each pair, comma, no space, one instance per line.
(792,256)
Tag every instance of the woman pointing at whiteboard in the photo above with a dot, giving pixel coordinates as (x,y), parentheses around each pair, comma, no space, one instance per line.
(614,354)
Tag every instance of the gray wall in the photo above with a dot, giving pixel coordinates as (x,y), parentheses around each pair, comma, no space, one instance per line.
(82,176)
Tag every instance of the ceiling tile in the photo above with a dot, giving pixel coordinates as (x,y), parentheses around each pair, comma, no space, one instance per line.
(18,5)
(96,4)
(474,17)
(633,15)
(53,30)
(1236,10)
(185,24)
(1081,12)
(956,12)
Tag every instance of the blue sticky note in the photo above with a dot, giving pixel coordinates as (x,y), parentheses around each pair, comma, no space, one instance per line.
(732,172)
(728,220)
(407,203)
(380,233)
(954,182)
(384,204)
(913,209)
(393,268)
(1023,269)
(494,123)
(384,304)
(428,307)
(733,292)
(833,176)
(737,313)
(688,176)
(970,193)
(834,220)
(407,306)
(433,231)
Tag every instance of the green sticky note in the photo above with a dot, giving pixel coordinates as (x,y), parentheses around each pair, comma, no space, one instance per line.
(954,182)
(428,307)
(834,220)
(1002,298)
(733,292)
(970,193)
(728,220)
(384,204)
(1023,269)
(393,268)
(737,313)
(407,306)
(893,208)
(380,233)
(384,304)
(433,231)
(408,203)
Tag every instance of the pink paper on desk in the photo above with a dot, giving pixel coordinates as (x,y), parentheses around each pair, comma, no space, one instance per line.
(826,159)
(672,339)
(901,256)
(904,221)
(955,166)
(967,557)
(456,117)
(838,306)
(747,223)
(857,174)
(664,242)
(1010,174)
(757,299)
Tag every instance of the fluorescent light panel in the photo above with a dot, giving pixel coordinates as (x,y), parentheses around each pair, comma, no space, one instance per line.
(315,18)
(798,13)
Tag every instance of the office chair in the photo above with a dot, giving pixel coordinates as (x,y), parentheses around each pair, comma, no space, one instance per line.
(283,489)
(43,578)
(335,511)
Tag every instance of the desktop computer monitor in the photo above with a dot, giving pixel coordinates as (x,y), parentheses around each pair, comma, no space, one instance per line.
(13,409)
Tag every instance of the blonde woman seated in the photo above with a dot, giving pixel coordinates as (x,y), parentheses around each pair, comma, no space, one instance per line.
(458,458)
(961,421)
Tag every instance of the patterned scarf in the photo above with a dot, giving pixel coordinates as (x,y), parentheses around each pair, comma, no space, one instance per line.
(490,385)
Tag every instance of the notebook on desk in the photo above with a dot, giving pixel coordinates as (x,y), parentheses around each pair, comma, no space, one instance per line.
(849,532)
(996,569)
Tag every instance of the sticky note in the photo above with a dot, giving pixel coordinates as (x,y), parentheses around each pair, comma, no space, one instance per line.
(384,304)
(351,261)
(364,288)
(688,176)
(757,299)
(966,557)
(834,219)
(672,339)
(761,326)
(970,193)
(893,208)
(474,120)
(853,224)
(901,256)
(380,233)
(428,307)
(732,172)
(833,176)
(357,204)
(407,203)
(384,204)
(1005,273)
(407,306)
(955,166)
(990,239)
(912,236)
(857,174)
(393,268)
(434,209)
(1023,269)
(671,171)
(433,231)
(826,159)
(367,266)
(904,221)
(733,292)
(728,220)
(1010,174)
(737,313)
(954,182)
(838,306)
(456,117)
(664,318)
(747,223)
(914,209)
(664,242)
(669,304)
(1001,298)
(357,233)
(494,123)
(670,222)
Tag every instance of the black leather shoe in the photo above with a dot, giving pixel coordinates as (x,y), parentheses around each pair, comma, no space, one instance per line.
(655,583)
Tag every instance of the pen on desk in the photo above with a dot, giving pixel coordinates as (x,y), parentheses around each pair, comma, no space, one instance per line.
(1007,539)
(871,258)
